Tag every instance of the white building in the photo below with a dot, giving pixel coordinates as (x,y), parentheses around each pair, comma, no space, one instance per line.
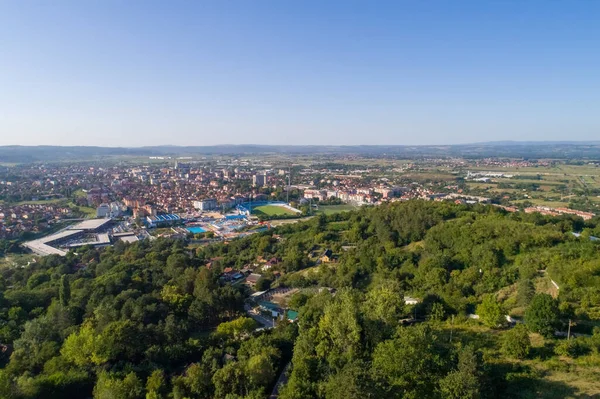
(316,194)
(102,211)
(332,193)
(206,204)
(117,209)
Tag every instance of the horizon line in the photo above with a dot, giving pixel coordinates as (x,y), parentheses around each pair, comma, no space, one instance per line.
(499,142)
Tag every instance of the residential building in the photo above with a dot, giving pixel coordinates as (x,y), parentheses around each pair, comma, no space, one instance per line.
(102,211)
(259,180)
(206,204)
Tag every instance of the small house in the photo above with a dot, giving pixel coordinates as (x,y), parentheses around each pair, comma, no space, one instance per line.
(327,256)
(252,279)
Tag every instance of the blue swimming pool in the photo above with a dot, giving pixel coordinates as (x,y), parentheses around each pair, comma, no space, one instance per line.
(196,230)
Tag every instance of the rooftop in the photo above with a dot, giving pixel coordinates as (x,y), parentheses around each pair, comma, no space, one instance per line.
(90,224)
(43,249)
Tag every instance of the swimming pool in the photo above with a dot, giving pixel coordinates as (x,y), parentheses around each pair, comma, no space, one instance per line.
(196,230)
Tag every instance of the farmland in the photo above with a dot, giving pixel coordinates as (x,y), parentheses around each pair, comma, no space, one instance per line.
(555,185)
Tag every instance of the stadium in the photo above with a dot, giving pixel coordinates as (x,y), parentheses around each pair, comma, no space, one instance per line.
(92,232)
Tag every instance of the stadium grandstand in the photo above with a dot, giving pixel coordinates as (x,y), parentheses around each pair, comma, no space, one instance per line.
(162,220)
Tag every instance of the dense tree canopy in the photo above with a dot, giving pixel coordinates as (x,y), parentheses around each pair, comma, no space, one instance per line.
(152,320)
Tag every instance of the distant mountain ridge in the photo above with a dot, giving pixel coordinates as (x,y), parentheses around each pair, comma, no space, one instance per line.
(514,142)
(528,149)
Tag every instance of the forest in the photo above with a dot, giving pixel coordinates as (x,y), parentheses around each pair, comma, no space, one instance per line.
(152,320)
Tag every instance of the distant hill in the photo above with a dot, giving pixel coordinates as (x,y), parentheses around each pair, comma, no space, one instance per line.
(538,143)
(517,149)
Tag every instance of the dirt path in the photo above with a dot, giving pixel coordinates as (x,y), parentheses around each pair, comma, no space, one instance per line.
(281,381)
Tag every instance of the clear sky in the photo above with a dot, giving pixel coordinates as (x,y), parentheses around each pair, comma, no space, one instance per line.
(133,73)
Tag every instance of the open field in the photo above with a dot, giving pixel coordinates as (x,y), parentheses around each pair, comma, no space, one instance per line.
(542,202)
(430,175)
(272,210)
(41,202)
(281,222)
(89,212)
(552,186)
(540,376)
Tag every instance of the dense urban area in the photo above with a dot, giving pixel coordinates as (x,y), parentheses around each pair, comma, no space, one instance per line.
(300,274)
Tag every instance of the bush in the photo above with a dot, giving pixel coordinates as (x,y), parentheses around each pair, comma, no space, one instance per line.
(574,347)
(542,315)
(490,312)
(516,342)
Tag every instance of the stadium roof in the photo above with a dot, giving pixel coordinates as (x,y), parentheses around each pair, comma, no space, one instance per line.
(166,217)
(41,248)
(101,239)
(58,236)
(90,224)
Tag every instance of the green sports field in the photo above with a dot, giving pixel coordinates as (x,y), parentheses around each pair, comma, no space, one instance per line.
(272,210)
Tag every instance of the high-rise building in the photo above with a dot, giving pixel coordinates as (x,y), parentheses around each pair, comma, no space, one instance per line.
(259,180)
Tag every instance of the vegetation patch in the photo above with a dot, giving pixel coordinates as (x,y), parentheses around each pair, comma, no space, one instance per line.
(332,209)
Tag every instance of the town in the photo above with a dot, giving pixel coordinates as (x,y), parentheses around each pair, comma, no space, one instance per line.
(220,198)
(299,200)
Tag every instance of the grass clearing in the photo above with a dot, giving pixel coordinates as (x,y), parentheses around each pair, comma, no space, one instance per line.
(41,202)
(542,375)
(415,246)
(89,212)
(276,223)
(11,261)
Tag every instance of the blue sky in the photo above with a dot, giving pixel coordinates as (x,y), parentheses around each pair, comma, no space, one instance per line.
(133,73)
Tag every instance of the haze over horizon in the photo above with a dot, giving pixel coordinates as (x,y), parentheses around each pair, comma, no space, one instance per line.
(336,73)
